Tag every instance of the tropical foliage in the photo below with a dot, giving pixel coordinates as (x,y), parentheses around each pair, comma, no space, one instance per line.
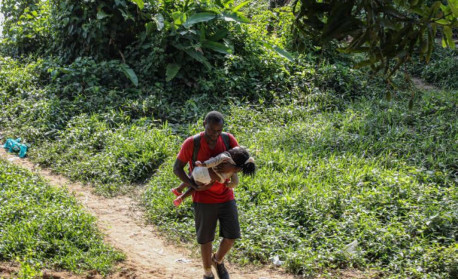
(348,175)
(384,30)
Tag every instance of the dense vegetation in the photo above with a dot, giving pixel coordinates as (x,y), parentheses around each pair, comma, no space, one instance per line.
(348,176)
(369,174)
(41,226)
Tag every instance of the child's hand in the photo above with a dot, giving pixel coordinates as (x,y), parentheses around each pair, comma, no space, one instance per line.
(228,184)
(199,163)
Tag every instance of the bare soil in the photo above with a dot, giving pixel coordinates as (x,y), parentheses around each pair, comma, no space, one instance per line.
(422,85)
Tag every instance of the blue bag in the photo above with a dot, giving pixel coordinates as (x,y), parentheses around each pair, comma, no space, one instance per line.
(16,146)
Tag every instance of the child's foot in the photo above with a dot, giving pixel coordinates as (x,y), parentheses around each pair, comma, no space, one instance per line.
(177,201)
(175,192)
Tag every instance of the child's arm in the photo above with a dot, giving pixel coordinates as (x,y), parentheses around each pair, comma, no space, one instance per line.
(234,181)
(214,161)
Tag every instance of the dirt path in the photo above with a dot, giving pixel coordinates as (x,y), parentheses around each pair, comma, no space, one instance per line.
(422,85)
(122,222)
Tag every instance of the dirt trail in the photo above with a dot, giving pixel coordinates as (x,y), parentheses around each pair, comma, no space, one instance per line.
(122,222)
(422,85)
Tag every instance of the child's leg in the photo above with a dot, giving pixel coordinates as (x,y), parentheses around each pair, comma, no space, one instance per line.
(178,190)
(181,198)
(181,187)
(187,193)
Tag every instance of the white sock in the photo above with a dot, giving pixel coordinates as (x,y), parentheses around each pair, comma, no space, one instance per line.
(208,271)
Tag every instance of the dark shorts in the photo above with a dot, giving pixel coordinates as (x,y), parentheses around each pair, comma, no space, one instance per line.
(206,216)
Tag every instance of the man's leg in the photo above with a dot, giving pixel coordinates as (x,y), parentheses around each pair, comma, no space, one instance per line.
(229,230)
(224,247)
(206,253)
(205,220)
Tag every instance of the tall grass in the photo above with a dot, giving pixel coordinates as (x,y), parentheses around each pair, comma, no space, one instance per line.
(370,186)
(43,227)
(91,150)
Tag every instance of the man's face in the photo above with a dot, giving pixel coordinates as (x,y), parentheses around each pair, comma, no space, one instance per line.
(213,130)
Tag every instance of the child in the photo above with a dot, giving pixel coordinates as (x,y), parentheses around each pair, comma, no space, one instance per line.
(205,173)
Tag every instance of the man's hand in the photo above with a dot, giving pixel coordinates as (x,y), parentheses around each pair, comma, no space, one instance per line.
(203,187)
(194,185)
(226,168)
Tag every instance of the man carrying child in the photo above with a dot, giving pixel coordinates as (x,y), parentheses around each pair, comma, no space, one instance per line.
(214,201)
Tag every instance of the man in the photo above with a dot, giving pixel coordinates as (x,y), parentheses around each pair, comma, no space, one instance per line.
(211,202)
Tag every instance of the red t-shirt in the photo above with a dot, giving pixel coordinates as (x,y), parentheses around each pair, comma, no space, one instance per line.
(218,192)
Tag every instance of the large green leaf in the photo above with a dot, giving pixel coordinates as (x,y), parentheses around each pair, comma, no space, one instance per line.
(279,51)
(453,4)
(101,15)
(219,34)
(218,47)
(199,57)
(139,3)
(179,17)
(235,16)
(241,5)
(227,3)
(130,74)
(199,17)
(171,71)
(448,34)
(159,19)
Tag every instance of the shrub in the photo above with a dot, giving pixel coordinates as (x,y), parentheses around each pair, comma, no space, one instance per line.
(91,150)
(25,27)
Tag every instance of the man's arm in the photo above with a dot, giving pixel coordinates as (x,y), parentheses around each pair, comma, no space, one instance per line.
(178,170)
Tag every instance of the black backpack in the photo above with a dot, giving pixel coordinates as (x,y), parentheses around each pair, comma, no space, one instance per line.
(225,137)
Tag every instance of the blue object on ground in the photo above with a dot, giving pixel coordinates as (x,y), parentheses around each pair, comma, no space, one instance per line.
(16,146)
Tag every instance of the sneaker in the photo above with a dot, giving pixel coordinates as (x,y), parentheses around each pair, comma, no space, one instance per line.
(177,201)
(175,192)
(211,277)
(220,269)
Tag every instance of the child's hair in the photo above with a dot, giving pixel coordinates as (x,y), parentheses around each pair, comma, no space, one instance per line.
(240,156)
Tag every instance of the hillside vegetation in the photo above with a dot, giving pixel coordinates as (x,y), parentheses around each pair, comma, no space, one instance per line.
(43,227)
(353,172)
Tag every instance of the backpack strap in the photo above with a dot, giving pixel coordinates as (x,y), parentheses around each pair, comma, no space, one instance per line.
(196,149)
(196,140)
(226,140)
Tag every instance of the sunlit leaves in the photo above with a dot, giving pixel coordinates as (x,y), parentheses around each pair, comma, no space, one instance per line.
(139,3)
(234,16)
(191,29)
(218,47)
(159,20)
(384,30)
(198,17)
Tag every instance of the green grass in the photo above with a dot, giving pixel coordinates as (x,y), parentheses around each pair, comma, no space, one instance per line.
(374,173)
(337,165)
(43,227)
(90,150)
